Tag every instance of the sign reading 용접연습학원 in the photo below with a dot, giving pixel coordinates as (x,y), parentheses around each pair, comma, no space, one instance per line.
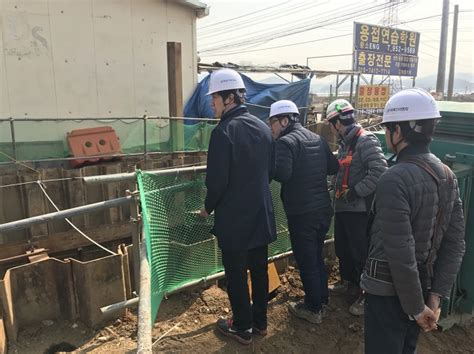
(385,51)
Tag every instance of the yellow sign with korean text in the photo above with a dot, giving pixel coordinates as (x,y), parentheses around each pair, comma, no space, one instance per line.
(372,96)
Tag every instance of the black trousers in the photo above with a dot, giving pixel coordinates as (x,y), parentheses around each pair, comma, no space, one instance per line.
(388,329)
(307,240)
(236,264)
(351,242)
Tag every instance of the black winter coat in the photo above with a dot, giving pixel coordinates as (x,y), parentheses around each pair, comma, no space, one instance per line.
(240,164)
(303,162)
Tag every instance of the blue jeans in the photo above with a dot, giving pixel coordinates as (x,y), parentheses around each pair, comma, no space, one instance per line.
(307,239)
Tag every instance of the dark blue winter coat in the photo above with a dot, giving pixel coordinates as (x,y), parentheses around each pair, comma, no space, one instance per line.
(240,164)
(303,162)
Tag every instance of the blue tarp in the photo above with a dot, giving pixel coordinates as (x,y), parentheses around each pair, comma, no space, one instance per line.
(258,94)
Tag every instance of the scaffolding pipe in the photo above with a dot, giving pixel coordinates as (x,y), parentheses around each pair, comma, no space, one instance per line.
(109,156)
(118,177)
(109,309)
(144,338)
(105,120)
(63,214)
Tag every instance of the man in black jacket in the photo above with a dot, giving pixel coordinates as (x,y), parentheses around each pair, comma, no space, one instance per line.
(240,165)
(303,162)
(417,236)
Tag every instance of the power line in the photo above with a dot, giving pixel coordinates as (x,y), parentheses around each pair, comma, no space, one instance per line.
(304,21)
(330,56)
(312,41)
(259,39)
(249,23)
(286,32)
(311,19)
(286,45)
(269,35)
(244,15)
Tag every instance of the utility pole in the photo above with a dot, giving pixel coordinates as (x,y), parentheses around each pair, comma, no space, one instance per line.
(442,48)
(453,53)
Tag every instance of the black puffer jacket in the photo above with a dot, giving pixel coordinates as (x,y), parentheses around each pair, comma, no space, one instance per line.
(407,204)
(303,161)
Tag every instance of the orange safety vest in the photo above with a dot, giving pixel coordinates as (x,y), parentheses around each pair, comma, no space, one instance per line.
(345,165)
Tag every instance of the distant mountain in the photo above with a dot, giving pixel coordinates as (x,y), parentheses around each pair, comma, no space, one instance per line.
(463,82)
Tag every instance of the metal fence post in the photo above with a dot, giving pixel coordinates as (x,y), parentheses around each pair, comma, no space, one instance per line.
(136,243)
(145,149)
(144,339)
(12,132)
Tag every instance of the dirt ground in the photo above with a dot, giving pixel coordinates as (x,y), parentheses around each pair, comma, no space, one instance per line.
(186,323)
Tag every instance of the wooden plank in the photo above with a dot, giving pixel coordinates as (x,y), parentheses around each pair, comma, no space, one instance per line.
(93,194)
(3,338)
(35,204)
(175,94)
(69,240)
(111,191)
(11,208)
(75,195)
(56,192)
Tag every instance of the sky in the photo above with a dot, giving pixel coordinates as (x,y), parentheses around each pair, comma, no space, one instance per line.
(240,31)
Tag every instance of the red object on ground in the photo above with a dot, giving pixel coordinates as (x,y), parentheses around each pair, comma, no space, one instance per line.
(93,142)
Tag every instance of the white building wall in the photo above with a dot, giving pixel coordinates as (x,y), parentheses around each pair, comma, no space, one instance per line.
(90,58)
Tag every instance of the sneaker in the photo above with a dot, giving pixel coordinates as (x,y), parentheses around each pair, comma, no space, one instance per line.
(260,331)
(340,288)
(325,309)
(357,308)
(300,310)
(226,328)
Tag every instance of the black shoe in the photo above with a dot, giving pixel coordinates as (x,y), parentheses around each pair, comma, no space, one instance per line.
(260,331)
(357,308)
(226,328)
(300,310)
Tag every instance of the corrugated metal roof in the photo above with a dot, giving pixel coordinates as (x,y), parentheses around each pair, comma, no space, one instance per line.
(457,119)
(456,107)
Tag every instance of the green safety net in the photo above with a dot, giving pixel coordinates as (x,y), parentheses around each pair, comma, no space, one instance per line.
(179,244)
(160,137)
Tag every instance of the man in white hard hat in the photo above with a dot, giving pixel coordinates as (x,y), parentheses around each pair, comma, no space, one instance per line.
(417,234)
(303,162)
(240,164)
(361,162)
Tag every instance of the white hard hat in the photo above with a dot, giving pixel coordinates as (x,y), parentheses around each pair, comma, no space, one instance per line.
(339,107)
(225,79)
(410,105)
(283,107)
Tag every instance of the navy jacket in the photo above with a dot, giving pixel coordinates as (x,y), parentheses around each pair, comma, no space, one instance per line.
(303,162)
(240,164)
